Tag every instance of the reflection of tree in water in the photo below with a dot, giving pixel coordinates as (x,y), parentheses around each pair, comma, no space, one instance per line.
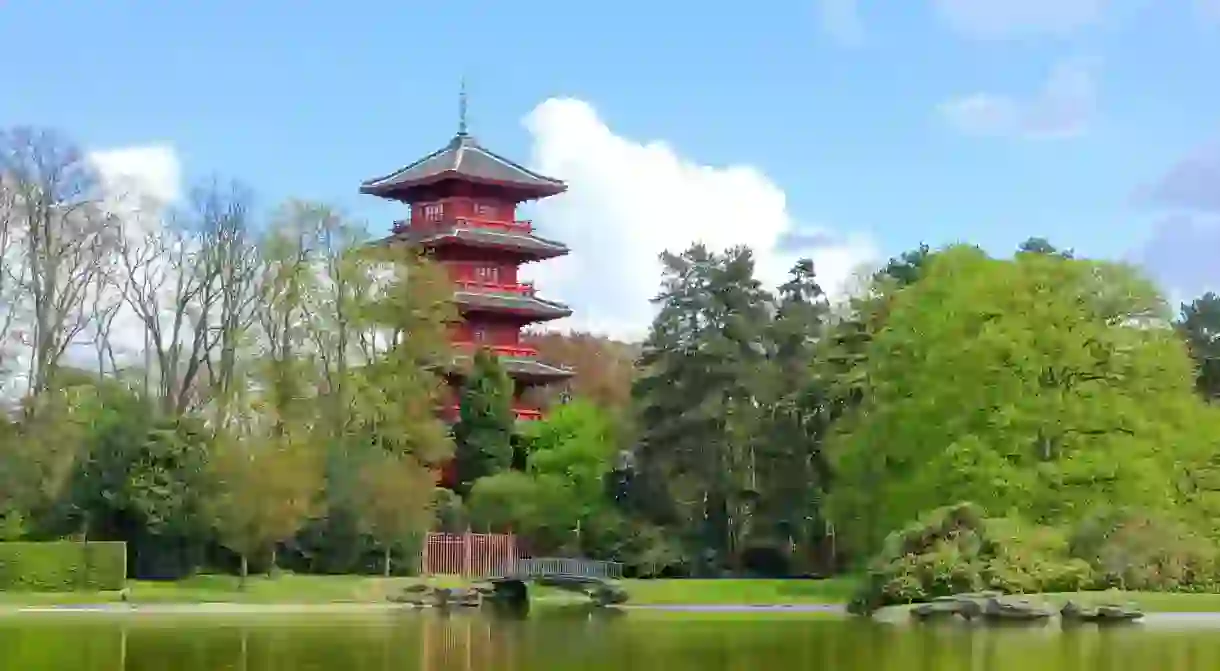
(466,643)
(549,642)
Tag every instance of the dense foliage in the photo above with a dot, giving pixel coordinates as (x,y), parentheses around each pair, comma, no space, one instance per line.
(220,392)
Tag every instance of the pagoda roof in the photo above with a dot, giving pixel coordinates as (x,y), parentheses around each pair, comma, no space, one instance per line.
(486,301)
(525,243)
(525,368)
(463,159)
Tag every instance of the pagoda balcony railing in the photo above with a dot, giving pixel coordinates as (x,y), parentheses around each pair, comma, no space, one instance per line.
(521,351)
(519,226)
(516,226)
(522,288)
(526,414)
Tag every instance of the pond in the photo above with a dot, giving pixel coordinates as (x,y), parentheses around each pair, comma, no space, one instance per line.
(426,642)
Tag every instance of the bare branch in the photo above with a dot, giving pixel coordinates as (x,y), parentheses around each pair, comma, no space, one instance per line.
(65,236)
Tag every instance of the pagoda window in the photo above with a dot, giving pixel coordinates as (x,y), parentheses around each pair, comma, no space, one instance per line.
(434,211)
(483,209)
(479,335)
(488,274)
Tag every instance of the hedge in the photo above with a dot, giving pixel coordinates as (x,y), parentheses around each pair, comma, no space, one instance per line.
(62,566)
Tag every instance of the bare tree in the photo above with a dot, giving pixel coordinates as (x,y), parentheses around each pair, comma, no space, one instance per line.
(175,284)
(12,272)
(232,252)
(105,302)
(65,235)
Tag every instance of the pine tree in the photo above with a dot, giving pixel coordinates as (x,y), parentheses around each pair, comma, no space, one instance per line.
(485,425)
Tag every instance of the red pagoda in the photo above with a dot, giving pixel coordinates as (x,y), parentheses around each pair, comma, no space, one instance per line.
(463,200)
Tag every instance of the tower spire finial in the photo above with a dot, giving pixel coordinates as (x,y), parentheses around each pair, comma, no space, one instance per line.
(462,108)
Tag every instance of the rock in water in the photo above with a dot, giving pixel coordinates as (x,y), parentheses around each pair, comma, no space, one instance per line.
(1104,614)
(1015,610)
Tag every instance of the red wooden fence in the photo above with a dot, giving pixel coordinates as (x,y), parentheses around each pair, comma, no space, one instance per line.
(469,555)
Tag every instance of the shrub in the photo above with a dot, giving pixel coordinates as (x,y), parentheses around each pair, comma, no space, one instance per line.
(957,549)
(1135,550)
(62,566)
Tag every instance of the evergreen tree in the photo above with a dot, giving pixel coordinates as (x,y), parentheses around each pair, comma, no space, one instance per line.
(486,421)
(794,474)
(700,394)
(1200,326)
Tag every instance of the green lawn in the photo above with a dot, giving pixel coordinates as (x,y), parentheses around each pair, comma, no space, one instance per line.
(308,589)
(284,589)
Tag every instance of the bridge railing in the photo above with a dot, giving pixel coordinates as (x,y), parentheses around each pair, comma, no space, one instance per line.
(553,566)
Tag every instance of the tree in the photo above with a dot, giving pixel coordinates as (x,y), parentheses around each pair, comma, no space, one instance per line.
(1043,246)
(1200,327)
(40,452)
(793,469)
(485,426)
(187,283)
(698,394)
(54,208)
(265,487)
(1042,386)
(397,392)
(12,278)
(394,501)
(604,368)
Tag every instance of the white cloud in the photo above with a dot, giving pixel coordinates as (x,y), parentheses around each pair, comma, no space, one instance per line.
(151,172)
(1064,108)
(1005,19)
(840,20)
(628,201)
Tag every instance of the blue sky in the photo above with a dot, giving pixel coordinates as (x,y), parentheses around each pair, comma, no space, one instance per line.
(875,125)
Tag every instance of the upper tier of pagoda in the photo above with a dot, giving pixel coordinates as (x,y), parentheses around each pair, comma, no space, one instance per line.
(462,160)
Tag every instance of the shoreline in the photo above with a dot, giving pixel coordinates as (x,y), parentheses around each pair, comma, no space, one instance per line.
(237,608)
(1183,619)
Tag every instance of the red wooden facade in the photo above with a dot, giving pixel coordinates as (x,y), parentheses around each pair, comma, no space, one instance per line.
(463,201)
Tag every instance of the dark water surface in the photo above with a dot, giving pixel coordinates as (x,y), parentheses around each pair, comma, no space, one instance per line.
(415,641)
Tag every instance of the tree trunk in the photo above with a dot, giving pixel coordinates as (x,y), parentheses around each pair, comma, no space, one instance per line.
(245,572)
(386,564)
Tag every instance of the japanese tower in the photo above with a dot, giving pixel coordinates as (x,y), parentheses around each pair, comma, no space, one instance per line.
(463,202)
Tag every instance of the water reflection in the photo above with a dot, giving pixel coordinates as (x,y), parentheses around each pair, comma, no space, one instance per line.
(549,641)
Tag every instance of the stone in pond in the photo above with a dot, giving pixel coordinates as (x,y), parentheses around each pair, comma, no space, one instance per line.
(1104,614)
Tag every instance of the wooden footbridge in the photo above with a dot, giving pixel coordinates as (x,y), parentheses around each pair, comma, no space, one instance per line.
(535,568)
(494,558)
(593,578)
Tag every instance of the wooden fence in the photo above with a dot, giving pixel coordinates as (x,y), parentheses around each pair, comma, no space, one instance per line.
(469,555)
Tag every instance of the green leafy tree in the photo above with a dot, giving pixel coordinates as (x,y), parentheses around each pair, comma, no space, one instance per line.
(264,489)
(1041,385)
(485,426)
(394,502)
(559,497)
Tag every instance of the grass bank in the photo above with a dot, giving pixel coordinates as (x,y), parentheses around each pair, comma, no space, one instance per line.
(311,589)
